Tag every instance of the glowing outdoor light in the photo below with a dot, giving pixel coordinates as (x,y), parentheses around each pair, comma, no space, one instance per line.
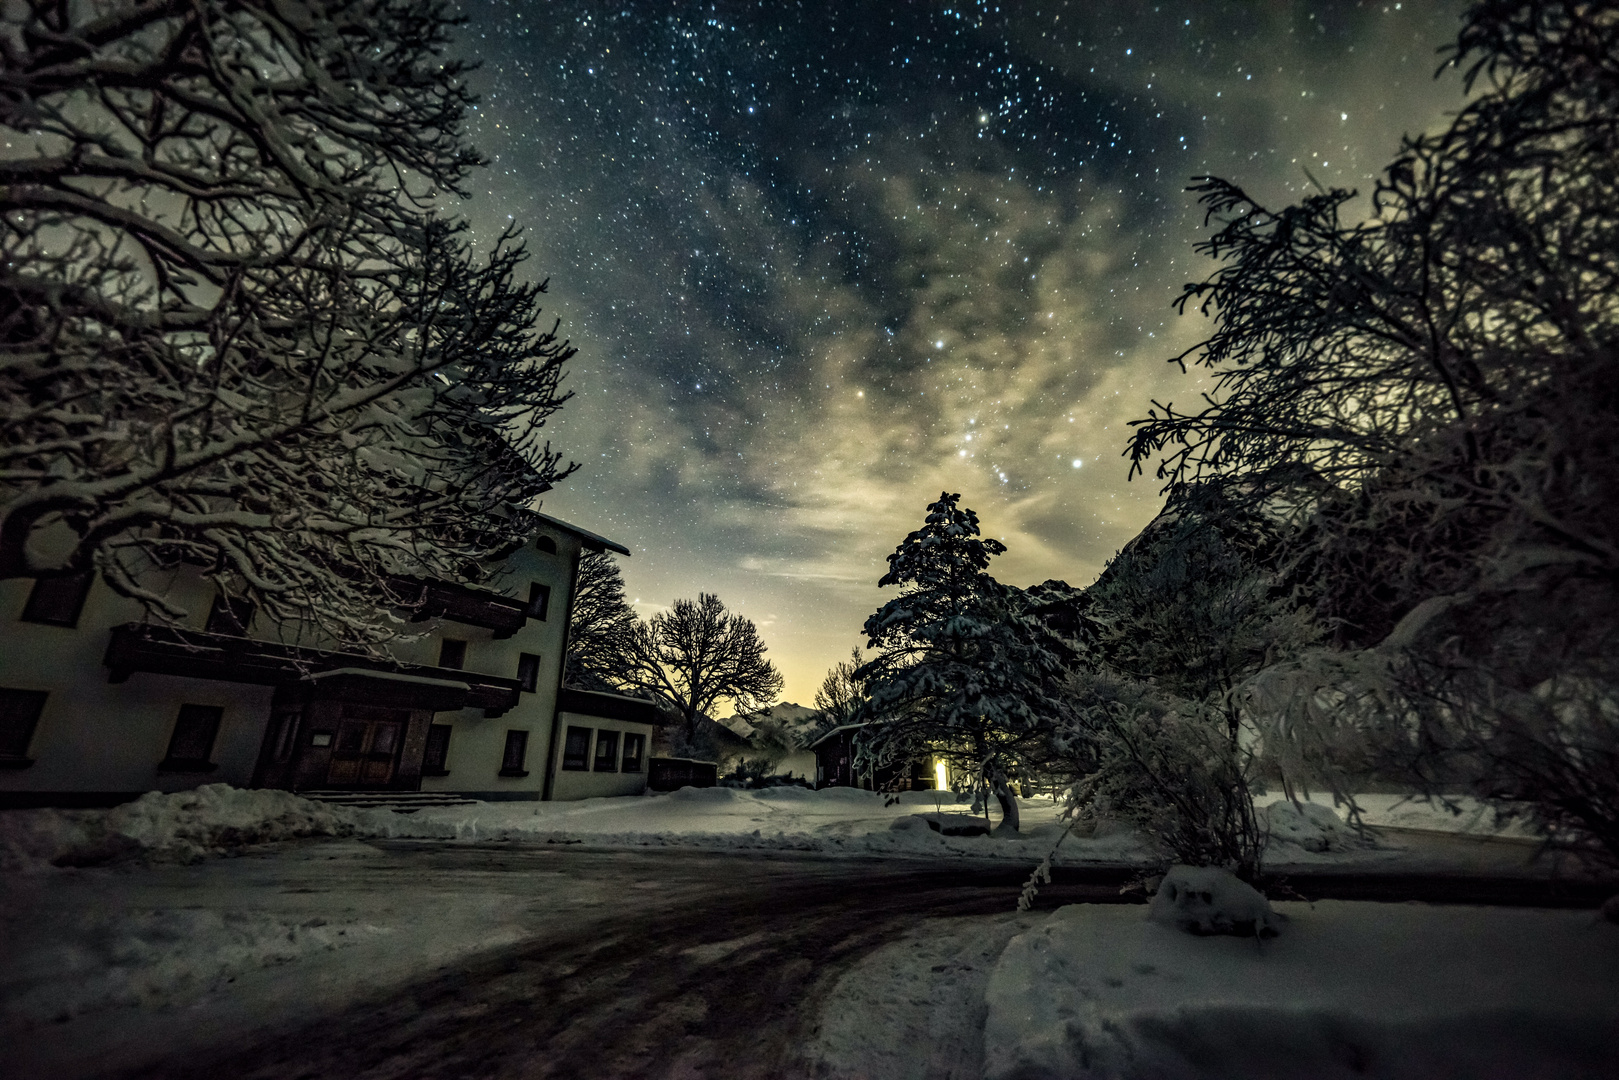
(941,776)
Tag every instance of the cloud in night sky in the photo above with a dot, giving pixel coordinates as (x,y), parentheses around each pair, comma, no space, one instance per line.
(821,265)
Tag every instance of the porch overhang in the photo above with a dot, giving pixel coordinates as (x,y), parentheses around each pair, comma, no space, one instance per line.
(389,689)
(196,654)
(630,710)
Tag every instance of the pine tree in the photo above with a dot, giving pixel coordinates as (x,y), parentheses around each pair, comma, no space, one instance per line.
(961,672)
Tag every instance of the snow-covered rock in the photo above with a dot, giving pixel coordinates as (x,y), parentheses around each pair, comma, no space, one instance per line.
(1208,900)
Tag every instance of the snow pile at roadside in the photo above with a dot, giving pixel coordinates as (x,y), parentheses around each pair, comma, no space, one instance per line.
(834,820)
(182,826)
(1463,814)
(1311,826)
(1389,990)
(218,819)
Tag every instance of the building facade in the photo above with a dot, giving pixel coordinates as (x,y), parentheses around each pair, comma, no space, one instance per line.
(836,758)
(99,704)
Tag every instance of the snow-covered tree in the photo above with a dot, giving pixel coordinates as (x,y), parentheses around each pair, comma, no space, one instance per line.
(1433,387)
(233,332)
(601,637)
(961,671)
(696,655)
(1153,723)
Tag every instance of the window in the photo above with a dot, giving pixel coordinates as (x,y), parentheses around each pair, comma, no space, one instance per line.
(230,615)
(576,751)
(438,751)
(546,544)
(57,601)
(511,763)
(452,653)
(539,600)
(607,751)
(286,732)
(634,751)
(192,743)
(528,671)
(19,714)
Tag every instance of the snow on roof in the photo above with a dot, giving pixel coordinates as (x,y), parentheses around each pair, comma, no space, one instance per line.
(834,731)
(592,540)
(387,676)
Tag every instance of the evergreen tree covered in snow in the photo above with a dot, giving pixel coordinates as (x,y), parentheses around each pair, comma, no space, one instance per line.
(961,671)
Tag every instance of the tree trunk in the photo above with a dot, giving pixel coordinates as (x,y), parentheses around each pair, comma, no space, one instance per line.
(1008,801)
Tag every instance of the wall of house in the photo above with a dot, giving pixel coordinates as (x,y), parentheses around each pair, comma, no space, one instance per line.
(478,743)
(99,737)
(572,784)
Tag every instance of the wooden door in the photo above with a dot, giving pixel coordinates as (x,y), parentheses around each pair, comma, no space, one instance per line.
(366,750)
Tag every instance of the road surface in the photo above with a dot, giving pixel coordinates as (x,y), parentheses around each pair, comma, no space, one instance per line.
(686,964)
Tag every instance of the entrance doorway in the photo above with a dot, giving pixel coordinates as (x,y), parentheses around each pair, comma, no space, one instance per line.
(366,750)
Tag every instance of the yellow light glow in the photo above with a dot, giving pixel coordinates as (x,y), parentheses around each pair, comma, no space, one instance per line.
(941,775)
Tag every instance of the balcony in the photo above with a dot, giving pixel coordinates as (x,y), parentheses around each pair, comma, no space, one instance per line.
(196,654)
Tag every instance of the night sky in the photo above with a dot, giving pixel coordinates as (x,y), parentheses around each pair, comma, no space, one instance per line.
(822,261)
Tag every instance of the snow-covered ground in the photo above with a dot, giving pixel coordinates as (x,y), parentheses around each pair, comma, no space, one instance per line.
(160,926)
(1348,989)
(215,819)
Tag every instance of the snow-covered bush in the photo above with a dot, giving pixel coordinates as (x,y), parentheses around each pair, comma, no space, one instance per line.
(1208,900)
(1428,386)
(1166,768)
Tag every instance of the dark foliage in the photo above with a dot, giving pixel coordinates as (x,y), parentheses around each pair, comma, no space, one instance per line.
(233,331)
(1431,393)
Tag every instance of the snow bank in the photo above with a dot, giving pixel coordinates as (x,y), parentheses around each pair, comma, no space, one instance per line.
(1463,815)
(1389,990)
(183,826)
(1208,900)
(218,819)
(1308,825)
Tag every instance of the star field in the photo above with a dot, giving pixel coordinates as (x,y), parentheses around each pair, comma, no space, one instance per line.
(824,260)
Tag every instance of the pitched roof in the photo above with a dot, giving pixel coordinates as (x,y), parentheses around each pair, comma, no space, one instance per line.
(593,541)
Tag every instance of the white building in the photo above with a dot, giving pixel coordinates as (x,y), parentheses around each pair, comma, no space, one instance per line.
(99,704)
